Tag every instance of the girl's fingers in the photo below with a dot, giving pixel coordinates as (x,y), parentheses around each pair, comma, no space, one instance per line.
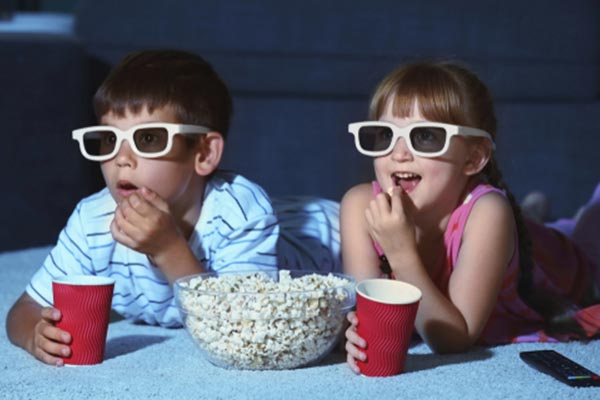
(355,352)
(352,364)
(354,339)
(396,201)
(351,317)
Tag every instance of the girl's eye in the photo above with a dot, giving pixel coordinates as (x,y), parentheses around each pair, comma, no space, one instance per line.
(148,138)
(424,135)
(428,139)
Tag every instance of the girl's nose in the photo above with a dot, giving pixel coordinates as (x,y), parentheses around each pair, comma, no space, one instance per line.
(401,152)
(125,156)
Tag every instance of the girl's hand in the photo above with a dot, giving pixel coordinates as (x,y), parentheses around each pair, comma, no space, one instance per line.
(354,343)
(389,221)
(143,223)
(49,342)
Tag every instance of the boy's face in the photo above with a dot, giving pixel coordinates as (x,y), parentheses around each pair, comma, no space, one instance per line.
(172,177)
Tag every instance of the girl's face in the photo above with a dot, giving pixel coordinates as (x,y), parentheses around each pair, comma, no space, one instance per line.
(172,177)
(430,182)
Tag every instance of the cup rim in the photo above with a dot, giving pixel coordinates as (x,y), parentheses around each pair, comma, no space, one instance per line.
(84,280)
(414,293)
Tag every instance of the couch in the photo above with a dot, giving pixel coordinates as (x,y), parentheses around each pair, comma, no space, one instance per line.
(299,72)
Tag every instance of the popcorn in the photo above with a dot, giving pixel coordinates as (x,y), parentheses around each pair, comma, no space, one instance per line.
(249,321)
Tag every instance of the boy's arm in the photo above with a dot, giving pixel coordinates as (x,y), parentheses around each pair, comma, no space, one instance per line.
(31,326)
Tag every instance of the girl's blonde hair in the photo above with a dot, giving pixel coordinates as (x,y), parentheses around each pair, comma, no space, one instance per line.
(450,93)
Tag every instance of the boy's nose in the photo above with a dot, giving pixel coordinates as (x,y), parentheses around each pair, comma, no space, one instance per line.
(125,156)
(401,152)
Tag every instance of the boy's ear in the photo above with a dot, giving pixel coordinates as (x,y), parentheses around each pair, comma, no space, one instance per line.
(479,155)
(209,152)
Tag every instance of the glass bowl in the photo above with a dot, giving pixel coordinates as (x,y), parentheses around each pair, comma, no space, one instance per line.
(265,319)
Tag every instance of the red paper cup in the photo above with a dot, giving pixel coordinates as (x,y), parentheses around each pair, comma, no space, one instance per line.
(386,311)
(85,303)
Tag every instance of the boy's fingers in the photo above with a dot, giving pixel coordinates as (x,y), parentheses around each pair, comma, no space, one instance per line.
(153,198)
(125,226)
(119,233)
(55,334)
(48,358)
(51,314)
(134,207)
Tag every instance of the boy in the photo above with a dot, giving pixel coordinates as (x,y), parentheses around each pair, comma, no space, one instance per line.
(166,211)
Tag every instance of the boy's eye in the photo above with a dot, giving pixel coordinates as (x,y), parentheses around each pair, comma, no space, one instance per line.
(148,137)
(108,138)
(151,139)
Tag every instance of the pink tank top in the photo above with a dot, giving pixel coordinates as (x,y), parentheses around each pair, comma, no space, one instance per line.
(511,319)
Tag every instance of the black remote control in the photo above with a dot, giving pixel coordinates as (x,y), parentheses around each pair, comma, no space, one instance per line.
(560,367)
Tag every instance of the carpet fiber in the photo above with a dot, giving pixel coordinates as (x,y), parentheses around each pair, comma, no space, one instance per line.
(143,362)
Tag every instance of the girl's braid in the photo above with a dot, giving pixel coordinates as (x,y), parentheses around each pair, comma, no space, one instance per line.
(557,312)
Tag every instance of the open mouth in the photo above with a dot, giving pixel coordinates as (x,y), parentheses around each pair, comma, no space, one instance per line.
(125,188)
(406,180)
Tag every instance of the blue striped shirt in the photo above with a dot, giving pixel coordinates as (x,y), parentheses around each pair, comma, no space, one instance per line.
(236,229)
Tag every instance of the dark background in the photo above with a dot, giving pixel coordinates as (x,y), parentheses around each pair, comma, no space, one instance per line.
(299,72)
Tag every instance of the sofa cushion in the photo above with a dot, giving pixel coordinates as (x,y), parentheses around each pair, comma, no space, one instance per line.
(45,95)
(535,49)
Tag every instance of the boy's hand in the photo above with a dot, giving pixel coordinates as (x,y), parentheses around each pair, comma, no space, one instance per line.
(49,342)
(143,223)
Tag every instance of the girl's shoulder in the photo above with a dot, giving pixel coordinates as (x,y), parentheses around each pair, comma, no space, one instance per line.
(488,206)
(359,195)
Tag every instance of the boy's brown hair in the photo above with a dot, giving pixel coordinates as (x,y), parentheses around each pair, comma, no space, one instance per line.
(183,81)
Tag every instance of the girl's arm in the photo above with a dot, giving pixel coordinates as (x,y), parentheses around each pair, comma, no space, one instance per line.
(359,257)
(453,323)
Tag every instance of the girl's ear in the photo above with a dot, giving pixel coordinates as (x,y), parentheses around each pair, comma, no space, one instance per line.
(479,155)
(208,153)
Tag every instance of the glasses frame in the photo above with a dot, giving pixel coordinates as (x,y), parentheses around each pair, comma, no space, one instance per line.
(121,135)
(404,132)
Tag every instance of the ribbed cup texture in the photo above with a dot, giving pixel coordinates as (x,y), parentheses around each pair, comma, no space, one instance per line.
(85,314)
(387,328)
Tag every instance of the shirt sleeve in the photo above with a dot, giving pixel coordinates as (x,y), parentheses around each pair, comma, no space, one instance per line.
(68,257)
(239,229)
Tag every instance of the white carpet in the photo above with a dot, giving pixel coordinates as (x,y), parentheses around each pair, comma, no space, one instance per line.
(144,362)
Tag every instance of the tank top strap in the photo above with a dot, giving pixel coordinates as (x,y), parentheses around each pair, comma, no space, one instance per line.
(459,217)
(376,191)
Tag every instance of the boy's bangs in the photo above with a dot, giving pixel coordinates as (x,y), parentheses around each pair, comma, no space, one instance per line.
(121,98)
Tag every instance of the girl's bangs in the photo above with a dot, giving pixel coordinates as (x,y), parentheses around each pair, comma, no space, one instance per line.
(436,95)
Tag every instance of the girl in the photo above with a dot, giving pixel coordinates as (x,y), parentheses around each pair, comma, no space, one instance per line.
(439,216)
